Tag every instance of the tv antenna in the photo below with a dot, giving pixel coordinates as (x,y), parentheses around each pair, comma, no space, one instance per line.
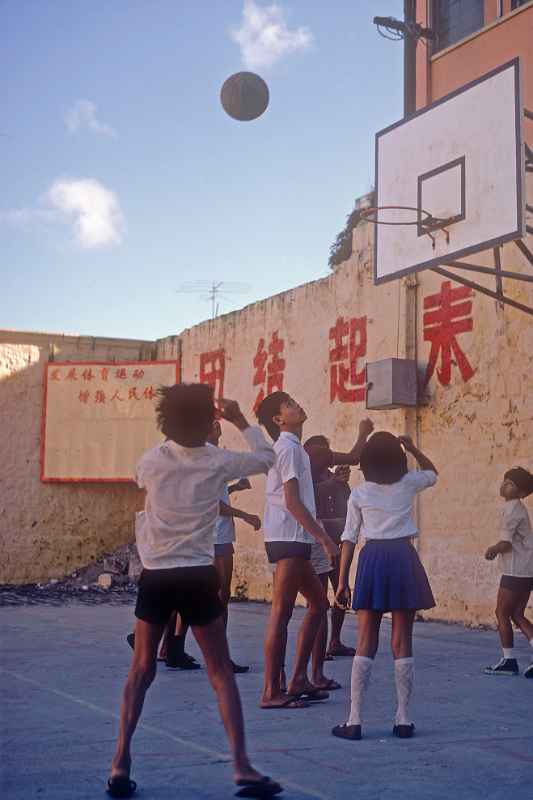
(213,291)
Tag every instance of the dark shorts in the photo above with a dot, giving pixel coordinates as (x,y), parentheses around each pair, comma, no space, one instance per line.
(516,584)
(276,551)
(334,528)
(191,591)
(225,549)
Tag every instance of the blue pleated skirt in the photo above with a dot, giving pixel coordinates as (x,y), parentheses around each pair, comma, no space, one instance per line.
(390,577)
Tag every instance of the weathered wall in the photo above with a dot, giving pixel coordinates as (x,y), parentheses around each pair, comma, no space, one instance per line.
(48,530)
(474,427)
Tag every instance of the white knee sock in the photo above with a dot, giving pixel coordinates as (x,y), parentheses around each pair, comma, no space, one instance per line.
(361,669)
(404,672)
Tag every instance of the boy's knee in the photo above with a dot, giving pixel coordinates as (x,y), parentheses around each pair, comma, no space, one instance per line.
(142,674)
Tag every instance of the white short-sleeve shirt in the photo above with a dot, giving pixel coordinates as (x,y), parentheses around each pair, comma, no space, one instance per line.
(292,461)
(183,489)
(224,526)
(516,529)
(385,511)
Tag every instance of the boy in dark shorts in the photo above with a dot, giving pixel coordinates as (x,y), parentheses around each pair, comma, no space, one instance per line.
(290,527)
(515,549)
(183,479)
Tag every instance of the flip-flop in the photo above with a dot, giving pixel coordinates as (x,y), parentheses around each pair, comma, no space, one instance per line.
(289,704)
(121,786)
(330,686)
(313,696)
(263,789)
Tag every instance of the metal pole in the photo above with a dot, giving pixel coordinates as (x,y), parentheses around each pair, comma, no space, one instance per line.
(409,60)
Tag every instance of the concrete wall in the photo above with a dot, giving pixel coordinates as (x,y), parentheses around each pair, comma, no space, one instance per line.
(48,530)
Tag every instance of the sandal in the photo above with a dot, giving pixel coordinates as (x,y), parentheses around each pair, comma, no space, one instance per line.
(290,703)
(346,731)
(263,789)
(121,786)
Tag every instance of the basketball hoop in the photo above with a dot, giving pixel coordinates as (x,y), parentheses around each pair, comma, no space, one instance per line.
(425,221)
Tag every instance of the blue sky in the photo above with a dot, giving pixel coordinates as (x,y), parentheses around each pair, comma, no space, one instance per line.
(123,178)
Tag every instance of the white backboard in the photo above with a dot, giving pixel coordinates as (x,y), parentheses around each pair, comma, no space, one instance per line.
(460,158)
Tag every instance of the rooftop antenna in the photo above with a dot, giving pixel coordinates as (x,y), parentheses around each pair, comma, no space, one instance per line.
(213,291)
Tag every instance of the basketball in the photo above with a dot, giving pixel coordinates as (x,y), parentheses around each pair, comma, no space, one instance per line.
(244,96)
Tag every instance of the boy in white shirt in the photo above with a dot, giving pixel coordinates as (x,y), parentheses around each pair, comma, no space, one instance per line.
(390,576)
(515,549)
(290,527)
(184,478)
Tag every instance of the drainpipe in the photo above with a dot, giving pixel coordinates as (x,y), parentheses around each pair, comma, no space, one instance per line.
(409,60)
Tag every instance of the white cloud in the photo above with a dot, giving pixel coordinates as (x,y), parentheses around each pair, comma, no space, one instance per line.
(264,36)
(93,209)
(83,115)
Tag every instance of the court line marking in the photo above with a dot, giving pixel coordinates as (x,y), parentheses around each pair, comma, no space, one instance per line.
(152,729)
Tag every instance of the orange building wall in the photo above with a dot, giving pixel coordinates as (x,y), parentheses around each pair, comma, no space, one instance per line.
(501,41)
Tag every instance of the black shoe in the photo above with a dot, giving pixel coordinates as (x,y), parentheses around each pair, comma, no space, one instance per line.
(238,669)
(506,666)
(130,638)
(528,672)
(347,731)
(182,661)
(403,731)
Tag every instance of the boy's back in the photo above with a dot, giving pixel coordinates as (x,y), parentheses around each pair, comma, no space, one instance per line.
(183,486)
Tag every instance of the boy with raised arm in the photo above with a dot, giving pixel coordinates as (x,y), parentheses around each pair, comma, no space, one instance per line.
(290,527)
(184,479)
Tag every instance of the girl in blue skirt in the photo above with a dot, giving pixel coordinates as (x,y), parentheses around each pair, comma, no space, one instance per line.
(390,576)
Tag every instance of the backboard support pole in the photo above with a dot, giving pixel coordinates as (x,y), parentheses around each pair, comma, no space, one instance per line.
(483,290)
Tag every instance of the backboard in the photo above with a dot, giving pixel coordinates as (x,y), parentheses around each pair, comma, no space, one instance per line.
(459,160)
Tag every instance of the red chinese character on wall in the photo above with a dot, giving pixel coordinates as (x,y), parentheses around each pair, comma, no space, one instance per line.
(347,380)
(441,327)
(83,397)
(99,396)
(55,375)
(270,373)
(138,373)
(121,374)
(104,372)
(213,370)
(117,396)
(71,375)
(132,394)
(149,393)
(87,374)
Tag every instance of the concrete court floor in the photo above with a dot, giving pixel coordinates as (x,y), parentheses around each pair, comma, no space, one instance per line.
(62,669)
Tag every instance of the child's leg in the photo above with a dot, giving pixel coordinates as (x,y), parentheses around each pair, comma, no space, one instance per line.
(319,646)
(368,624)
(224,568)
(212,640)
(141,675)
(317,605)
(402,651)
(506,605)
(285,589)
(519,618)
(336,647)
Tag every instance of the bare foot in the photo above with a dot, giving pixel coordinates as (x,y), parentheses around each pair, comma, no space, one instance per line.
(283,700)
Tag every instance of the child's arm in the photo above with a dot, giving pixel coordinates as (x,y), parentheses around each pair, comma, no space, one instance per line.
(366,426)
(498,548)
(354,519)
(303,516)
(262,457)
(229,511)
(423,461)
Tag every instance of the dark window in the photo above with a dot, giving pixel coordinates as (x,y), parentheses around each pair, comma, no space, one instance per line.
(516,3)
(455,19)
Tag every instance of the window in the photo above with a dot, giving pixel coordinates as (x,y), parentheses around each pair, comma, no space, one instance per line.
(517,3)
(455,19)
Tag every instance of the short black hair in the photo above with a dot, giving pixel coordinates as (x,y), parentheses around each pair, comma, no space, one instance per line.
(186,412)
(383,459)
(269,408)
(522,478)
(317,441)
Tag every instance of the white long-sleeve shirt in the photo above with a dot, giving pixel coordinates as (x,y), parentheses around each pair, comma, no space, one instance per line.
(183,488)
(379,511)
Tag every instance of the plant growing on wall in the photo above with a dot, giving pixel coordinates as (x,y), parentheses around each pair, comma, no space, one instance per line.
(341,249)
